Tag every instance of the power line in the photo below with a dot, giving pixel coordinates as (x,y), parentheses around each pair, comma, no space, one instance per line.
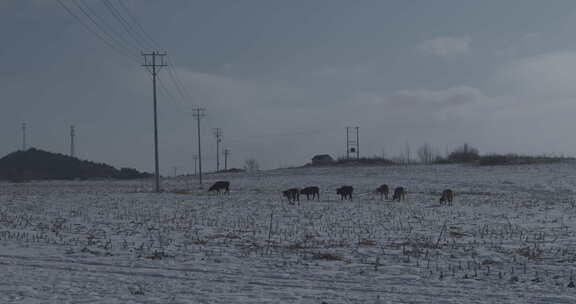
(114,47)
(138,24)
(99,27)
(141,38)
(139,34)
(177,80)
(177,101)
(118,42)
(125,24)
(114,33)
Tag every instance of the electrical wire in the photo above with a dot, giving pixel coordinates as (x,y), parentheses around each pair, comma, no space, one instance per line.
(124,24)
(112,46)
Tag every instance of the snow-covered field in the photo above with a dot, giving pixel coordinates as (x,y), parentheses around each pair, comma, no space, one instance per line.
(509,238)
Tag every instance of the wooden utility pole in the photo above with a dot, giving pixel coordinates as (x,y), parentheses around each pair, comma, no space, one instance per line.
(198,114)
(218,135)
(357,144)
(347,143)
(23,136)
(226,154)
(154,67)
(72,135)
(195,157)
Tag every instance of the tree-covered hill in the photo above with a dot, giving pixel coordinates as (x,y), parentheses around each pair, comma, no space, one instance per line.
(35,164)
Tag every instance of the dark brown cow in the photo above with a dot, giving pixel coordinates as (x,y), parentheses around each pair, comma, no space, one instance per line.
(220,185)
(292,194)
(345,192)
(447,197)
(383,190)
(314,191)
(399,194)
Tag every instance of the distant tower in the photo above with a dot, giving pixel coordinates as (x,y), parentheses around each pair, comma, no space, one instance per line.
(226,154)
(72,147)
(195,157)
(198,114)
(218,135)
(23,136)
(352,145)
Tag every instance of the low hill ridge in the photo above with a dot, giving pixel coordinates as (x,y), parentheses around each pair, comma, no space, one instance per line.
(36,164)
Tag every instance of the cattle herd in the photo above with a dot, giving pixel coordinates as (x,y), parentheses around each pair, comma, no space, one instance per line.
(345,192)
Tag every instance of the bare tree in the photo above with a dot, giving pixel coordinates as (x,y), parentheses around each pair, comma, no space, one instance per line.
(251,165)
(425,154)
(407,154)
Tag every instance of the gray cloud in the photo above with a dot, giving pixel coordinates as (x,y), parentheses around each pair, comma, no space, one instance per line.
(548,75)
(285,90)
(452,96)
(446,46)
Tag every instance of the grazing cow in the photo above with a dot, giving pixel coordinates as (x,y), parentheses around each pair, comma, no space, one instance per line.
(292,194)
(383,190)
(345,192)
(447,197)
(220,185)
(399,194)
(314,191)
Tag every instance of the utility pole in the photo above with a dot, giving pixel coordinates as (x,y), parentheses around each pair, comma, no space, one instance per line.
(72,135)
(347,144)
(226,154)
(195,157)
(218,135)
(357,144)
(198,113)
(154,67)
(175,171)
(23,136)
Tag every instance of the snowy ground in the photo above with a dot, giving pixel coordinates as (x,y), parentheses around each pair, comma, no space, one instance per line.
(509,238)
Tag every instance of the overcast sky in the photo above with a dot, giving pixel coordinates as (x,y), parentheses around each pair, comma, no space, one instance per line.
(284,78)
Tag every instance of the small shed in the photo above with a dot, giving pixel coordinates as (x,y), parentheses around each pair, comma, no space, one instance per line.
(322,160)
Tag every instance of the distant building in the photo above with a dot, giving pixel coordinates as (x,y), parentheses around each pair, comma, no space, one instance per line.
(322,160)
